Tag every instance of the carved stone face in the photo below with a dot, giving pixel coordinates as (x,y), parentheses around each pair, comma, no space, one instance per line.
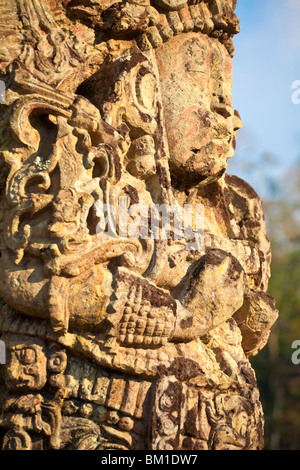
(196,81)
(26,367)
(235,432)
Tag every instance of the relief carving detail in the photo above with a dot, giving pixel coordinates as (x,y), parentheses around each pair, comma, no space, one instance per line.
(115,341)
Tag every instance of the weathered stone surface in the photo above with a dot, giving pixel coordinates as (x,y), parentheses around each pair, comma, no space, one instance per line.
(117,341)
(255,320)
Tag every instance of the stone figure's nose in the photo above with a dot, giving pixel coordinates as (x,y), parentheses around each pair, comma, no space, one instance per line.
(221,105)
(237,122)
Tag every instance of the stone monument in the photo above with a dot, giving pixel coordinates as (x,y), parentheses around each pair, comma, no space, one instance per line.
(115,341)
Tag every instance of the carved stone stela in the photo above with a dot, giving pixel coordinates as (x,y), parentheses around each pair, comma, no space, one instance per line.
(119,343)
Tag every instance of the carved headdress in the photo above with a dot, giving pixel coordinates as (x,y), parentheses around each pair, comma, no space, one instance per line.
(156,21)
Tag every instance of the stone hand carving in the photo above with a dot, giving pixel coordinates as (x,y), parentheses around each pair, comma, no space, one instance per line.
(116,341)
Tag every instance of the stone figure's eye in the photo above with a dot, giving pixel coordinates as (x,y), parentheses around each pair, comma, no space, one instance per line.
(194,69)
(27,356)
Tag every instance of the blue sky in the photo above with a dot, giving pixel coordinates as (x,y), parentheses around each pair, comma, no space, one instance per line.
(266,63)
